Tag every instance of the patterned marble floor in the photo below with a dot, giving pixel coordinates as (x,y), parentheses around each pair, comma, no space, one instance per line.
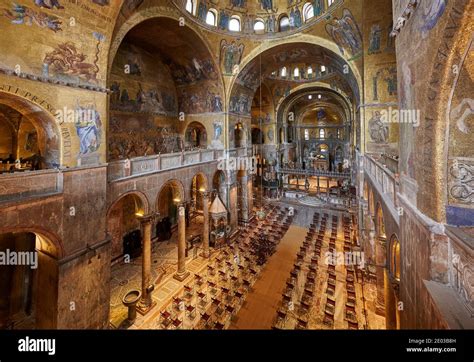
(223,301)
(127,276)
(227,276)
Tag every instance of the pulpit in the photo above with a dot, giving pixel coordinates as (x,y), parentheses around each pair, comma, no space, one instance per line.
(219,223)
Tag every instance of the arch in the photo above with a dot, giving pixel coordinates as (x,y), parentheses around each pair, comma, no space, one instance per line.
(211,17)
(198,183)
(257,136)
(219,185)
(145,204)
(195,136)
(259,26)
(371,202)
(432,174)
(379,223)
(29,293)
(284,23)
(48,235)
(296,73)
(154,12)
(366,191)
(457,196)
(395,260)
(48,131)
(128,137)
(354,77)
(235,23)
(308,11)
(171,194)
(239,135)
(123,222)
(190,6)
(322,133)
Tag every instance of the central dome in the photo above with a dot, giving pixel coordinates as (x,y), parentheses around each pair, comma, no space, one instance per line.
(258,17)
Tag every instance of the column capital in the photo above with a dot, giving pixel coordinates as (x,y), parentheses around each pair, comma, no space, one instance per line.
(148,218)
(205,193)
(181,203)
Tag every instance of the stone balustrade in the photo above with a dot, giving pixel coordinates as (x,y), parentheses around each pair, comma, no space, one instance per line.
(23,185)
(383,177)
(137,166)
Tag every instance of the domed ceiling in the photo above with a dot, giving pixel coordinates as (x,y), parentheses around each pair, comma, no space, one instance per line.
(258,17)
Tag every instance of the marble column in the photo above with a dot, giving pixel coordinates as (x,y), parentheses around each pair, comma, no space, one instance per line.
(250,196)
(244,201)
(390,303)
(232,205)
(181,274)
(380,261)
(205,231)
(146,302)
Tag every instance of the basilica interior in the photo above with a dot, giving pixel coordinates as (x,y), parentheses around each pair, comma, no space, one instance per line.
(236,164)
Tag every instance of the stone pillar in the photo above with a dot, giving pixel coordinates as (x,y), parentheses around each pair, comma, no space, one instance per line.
(250,196)
(146,302)
(232,205)
(380,261)
(318,184)
(15,144)
(244,201)
(205,231)
(396,293)
(390,303)
(327,187)
(181,274)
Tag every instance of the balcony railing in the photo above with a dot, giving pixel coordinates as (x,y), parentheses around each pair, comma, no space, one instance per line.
(299,171)
(23,185)
(138,166)
(386,179)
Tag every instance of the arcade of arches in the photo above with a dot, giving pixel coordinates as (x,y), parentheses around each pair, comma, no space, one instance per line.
(237,164)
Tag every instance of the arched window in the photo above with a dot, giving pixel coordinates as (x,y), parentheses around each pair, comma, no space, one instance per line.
(322,133)
(323,68)
(306,134)
(190,6)
(234,24)
(296,72)
(284,23)
(366,191)
(330,2)
(310,72)
(259,26)
(308,11)
(283,72)
(380,223)
(211,17)
(395,257)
